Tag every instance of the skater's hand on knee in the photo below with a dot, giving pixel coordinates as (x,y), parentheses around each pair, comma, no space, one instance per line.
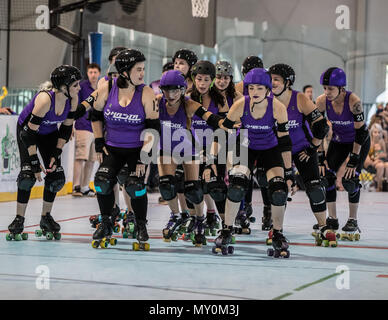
(322,170)
(100,155)
(303,156)
(38,175)
(140,169)
(349,172)
(52,165)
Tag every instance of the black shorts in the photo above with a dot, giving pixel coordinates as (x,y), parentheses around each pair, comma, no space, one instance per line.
(118,157)
(266,159)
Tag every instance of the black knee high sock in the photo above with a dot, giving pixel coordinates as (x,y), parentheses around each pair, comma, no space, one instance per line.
(106,203)
(48,196)
(139,206)
(23,196)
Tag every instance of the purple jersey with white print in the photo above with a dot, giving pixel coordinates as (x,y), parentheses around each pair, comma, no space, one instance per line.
(342,124)
(124,125)
(261,135)
(201,128)
(174,129)
(50,120)
(295,122)
(83,123)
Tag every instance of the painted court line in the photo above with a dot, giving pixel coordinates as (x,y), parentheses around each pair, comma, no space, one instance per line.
(308,285)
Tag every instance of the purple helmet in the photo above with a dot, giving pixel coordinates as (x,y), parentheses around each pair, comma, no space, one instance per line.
(258,76)
(172,79)
(333,77)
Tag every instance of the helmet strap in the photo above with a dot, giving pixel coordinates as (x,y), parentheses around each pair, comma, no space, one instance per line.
(284,89)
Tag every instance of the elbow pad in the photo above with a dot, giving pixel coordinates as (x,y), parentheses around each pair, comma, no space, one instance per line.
(96,115)
(65,132)
(285,143)
(229,124)
(313,115)
(79,112)
(361,135)
(28,136)
(320,129)
(213,120)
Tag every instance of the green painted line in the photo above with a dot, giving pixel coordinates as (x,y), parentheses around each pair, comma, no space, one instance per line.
(308,285)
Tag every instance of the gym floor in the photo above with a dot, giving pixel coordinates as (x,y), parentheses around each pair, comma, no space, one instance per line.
(71,269)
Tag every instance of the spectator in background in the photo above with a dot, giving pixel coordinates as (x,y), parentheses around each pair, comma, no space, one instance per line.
(85,155)
(6,111)
(308,91)
(377,156)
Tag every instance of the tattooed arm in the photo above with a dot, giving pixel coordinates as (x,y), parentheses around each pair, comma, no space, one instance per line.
(358,114)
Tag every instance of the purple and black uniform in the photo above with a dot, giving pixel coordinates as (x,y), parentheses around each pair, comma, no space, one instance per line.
(124,125)
(174,131)
(50,120)
(86,90)
(295,122)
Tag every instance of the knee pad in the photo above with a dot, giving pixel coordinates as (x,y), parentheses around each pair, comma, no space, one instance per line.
(54,181)
(261,178)
(135,186)
(216,188)
(315,192)
(277,191)
(26,178)
(123,175)
(193,191)
(351,185)
(104,181)
(179,179)
(167,187)
(238,187)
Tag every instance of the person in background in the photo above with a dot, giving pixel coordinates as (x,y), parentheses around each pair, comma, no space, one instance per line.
(85,155)
(308,91)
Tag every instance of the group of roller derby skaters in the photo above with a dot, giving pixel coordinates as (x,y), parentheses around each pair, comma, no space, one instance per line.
(211,140)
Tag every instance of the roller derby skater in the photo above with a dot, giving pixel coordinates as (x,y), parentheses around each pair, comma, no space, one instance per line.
(183,60)
(223,241)
(350,139)
(37,130)
(16,230)
(258,113)
(117,138)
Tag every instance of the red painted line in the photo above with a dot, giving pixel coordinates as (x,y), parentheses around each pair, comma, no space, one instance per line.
(382,276)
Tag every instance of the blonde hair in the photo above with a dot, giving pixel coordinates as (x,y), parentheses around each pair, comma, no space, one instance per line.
(377,127)
(46,86)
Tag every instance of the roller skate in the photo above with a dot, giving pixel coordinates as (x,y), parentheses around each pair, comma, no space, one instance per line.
(326,237)
(174,227)
(266,221)
(280,246)
(332,223)
(222,242)
(102,237)
(188,229)
(199,238)
(269,240)
(243,223)
(49,228)
(141,236)
(129,222)
(115,218)
(351,231)
(16,230)
(249,211)
(212,223)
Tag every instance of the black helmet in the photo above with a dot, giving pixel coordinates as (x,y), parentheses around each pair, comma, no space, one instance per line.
(186,54)
(115,51)
(126,59)
(168,66)
(224,68)
(204,67)
(65,75)
(285,71)
(251,62)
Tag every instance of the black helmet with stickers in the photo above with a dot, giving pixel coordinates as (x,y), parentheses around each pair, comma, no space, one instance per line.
(224,68)
(204,67)
(115,51)
(250,63)
(286,72)
(125,61)
(189,56)
(65,75)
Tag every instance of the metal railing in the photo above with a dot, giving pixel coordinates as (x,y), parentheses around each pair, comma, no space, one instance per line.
(17,99)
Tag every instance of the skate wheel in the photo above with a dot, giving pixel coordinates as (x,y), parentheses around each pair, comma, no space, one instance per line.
(224,251)
(333,244)
(197,244)
(204,242)
(57,236)
(104,244)
(230,250)
(49,236)
(116,229)
(285,254)
(125,235)
(8,237)
(314,234)
(318,242)
(268,242)
(146,247)
(207,232)
(38,233)
(276,254)
(174,237)
(131,228)
(167,239)
(214,250)
(357,237)
(270,252)
(325,243)
(135,246)
(113,241)
(95,244)
(214,233)
(246,231)
(233,240)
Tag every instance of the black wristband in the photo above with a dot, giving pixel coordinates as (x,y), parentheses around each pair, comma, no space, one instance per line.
(321,158)
(35,164)
(229,124)
(289,175)
(353,160)
(99,144)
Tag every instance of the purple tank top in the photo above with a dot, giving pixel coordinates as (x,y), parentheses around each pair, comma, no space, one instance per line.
(173,129)
(343,124)
(295,121)
(199,126)
(83,123)
(123,126)
(50,120)
(261,135)
(229,100)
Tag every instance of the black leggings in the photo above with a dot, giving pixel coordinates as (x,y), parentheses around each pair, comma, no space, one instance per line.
(114,161)
(336,155)
(46,145)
